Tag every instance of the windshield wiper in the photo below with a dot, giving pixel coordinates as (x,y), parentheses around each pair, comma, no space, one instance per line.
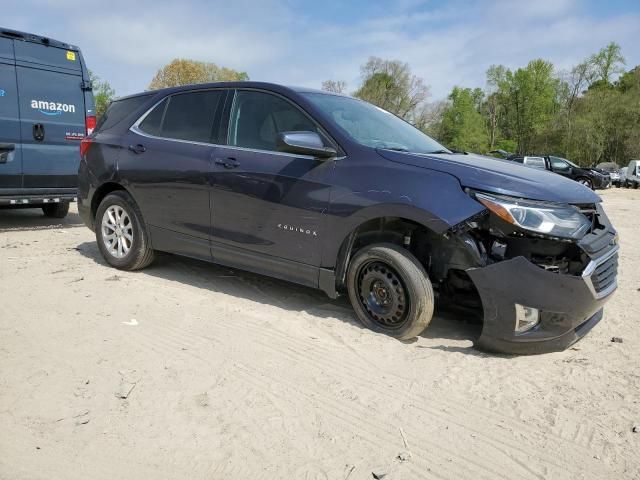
(397,149)
(439,151)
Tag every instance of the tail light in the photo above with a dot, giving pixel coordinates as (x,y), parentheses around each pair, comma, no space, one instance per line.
(91,124)
(84,146)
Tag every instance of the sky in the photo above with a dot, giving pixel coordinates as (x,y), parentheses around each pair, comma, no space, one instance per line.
(303,42)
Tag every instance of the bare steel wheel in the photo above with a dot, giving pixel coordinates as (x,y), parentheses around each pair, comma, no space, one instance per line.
(390,291)
(117,231)
(586,182)
(121,233)
(383,294)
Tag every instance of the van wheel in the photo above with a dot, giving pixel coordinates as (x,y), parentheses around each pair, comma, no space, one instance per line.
(390,291)
(121,234)
(56,210)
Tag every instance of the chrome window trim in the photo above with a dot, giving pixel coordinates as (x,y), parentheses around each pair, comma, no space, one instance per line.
(135,128)
(590,268)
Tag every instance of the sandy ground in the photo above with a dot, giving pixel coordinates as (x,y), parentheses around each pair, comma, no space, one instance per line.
(191,371)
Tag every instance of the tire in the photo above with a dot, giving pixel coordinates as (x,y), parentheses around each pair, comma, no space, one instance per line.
(56,210)
(635,184)
(585,181)
(128,227)
(382,273)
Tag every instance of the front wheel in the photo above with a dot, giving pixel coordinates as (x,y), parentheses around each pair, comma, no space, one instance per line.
(121,234)
(390,291)
(586,182)
(56,210)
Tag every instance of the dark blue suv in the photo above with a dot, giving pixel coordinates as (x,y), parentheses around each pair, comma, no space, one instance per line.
(331,192)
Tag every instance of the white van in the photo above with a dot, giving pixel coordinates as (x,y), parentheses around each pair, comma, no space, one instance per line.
(632,178)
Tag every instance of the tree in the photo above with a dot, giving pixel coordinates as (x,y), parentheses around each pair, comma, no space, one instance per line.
(607,62)
(390,84)
(335,86)
(103,93)
(185,72)
(463,127)
(493,105)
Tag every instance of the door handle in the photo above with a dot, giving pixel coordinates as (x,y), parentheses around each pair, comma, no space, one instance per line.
(227,162)
(139,148)
(5,150)
(38,132)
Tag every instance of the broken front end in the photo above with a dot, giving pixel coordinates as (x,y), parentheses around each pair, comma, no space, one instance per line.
(540,272)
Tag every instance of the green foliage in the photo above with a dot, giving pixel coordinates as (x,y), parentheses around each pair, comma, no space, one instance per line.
(390,84)
(103,93)
(463,127)
(185,72)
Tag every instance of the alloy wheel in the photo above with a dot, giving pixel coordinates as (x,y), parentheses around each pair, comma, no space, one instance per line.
(117,231)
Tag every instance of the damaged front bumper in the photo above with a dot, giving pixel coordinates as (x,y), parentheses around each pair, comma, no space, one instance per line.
(569,306)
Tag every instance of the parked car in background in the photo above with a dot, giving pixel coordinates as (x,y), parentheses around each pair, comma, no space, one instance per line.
(632,176)
(46,109)
(334,193)
(588,177)
(612,169)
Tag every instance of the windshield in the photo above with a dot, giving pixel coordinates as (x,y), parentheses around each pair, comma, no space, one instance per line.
(372,126)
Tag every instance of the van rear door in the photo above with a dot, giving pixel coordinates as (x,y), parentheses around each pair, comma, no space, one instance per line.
(52,113)
(10,151)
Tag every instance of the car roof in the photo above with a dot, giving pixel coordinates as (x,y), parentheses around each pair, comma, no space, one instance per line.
(274,87)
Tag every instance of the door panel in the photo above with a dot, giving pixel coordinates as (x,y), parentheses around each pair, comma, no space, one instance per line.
(265,201)
(170,182)
(10,161)
(271,203)
(52,122)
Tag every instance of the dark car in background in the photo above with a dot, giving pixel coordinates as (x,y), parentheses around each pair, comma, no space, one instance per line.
(589,177)
(46,109)
(333,193)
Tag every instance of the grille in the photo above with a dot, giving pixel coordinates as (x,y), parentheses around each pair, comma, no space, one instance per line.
(605,274)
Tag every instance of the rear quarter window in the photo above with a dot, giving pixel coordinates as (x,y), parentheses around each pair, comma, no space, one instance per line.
(119,109)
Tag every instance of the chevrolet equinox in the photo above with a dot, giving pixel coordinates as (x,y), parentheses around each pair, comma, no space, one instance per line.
(334,193)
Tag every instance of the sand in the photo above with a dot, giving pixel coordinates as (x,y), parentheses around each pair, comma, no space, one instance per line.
(188,370)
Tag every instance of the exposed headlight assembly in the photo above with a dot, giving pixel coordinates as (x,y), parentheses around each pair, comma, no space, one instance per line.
(553,220)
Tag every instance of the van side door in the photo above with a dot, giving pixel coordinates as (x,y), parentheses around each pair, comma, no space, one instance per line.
(52,114)
(10,148)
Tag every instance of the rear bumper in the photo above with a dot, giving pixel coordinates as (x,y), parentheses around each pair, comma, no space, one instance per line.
(24,197)
(569,306)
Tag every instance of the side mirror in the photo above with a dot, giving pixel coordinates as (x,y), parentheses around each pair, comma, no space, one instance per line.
(304,143)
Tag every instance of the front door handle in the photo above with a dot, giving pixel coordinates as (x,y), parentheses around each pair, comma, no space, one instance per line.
(38,132)
(5,150)
(139,148)
(227,162)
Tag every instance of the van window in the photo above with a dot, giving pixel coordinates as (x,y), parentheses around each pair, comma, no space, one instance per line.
(258,117)
(190,116)
(119,109)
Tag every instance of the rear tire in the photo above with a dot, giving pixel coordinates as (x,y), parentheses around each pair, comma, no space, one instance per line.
(390,291)
(121,233)
(56,210)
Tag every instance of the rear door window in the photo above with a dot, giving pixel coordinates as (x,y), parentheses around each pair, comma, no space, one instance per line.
(535,162)
(186,116)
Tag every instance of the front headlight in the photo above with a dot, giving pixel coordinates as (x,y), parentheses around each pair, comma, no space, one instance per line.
(564,221)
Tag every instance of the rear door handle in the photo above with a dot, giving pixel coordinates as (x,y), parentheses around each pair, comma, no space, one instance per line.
(139,148)
(227,162)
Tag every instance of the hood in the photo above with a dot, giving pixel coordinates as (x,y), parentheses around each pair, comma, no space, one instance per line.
(499,176)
